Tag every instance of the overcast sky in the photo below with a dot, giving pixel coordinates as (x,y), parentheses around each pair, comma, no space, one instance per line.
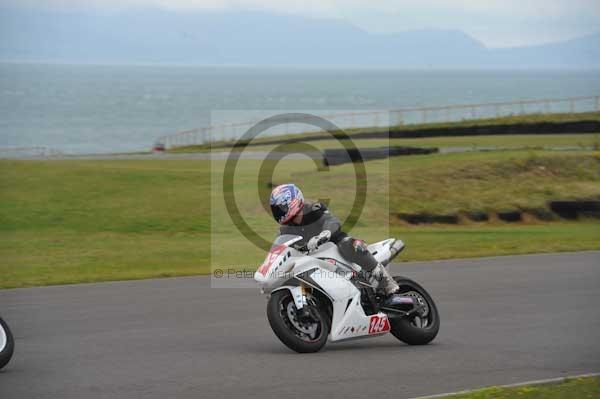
(496,23)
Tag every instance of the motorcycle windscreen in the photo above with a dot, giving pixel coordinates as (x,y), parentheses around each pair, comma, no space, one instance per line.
(276,256)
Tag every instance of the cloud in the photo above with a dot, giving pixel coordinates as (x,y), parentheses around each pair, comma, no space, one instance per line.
(495,22)
(500,7)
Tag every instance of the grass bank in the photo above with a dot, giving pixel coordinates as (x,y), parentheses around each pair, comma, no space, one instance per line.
(85,221)
(491,181)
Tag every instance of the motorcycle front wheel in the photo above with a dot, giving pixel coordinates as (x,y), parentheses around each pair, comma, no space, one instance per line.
(303,333)
(420,328)
(7,343)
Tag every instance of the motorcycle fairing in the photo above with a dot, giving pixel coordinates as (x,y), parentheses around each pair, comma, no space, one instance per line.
(348,319)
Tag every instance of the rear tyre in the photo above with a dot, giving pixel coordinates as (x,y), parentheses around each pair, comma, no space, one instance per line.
(302,334)
(419,328)
(7,344)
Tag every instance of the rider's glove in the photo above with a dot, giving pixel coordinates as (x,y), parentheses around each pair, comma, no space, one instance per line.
(314,242)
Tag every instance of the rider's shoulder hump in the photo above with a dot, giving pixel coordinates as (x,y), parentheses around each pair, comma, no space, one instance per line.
(318,207)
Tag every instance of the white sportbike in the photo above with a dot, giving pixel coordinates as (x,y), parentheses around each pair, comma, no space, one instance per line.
(315,296)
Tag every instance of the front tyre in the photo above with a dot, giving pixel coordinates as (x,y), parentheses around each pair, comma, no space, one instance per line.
(7,344)
(302,334)
(420,328)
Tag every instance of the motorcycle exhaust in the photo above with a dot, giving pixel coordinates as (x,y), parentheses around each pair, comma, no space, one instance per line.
(400,306)
(395,249)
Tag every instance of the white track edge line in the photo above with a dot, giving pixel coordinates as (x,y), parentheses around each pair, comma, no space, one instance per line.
(518,384)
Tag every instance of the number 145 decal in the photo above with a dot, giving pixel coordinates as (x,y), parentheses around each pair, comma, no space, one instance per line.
(378,324)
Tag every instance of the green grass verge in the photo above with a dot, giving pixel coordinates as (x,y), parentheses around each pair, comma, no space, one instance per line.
(57,256)
(85,221)
(575,388)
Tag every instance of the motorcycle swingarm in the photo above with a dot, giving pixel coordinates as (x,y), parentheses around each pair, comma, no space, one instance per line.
(394,313)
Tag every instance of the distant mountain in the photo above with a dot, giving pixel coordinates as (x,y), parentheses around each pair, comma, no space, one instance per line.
(257,38)
(580,52)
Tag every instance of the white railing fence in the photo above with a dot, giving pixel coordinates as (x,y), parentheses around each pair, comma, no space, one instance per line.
(388,118)
(422,115)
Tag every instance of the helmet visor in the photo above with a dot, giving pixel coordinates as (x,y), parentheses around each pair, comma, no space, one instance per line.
(279,211)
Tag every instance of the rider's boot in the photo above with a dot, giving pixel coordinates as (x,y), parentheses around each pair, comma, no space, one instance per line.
(383,281)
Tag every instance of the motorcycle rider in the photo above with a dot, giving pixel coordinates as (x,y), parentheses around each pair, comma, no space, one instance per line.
(312,219)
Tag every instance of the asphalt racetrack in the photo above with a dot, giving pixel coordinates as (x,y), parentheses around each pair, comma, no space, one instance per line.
(504,320)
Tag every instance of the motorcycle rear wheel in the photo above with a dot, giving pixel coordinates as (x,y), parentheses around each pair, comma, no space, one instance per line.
(418,329)
(302,336)
(7,344)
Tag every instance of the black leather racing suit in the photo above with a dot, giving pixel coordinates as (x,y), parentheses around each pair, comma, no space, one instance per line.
(317,218)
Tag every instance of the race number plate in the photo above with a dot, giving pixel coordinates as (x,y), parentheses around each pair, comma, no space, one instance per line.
(379,324)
